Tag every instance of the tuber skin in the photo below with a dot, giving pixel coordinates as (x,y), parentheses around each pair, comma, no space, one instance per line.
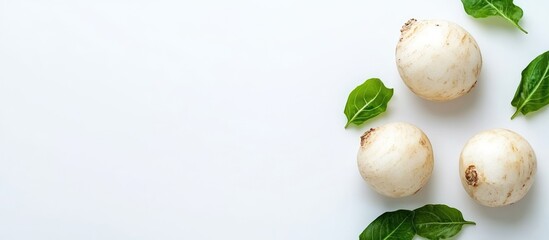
(395,159)
(438,60)
(497,167)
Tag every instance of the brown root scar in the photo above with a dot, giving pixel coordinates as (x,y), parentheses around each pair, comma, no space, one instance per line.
(471,176)
(406,27)
(365,136)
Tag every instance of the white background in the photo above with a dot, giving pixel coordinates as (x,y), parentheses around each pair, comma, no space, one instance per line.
(224,119)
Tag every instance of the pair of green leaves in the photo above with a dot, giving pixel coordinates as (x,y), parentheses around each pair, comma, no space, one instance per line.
(367,101)
(533,90)
(432,221)
(503,8)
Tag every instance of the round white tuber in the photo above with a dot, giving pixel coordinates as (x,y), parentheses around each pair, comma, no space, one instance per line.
(396,159)
(438,60)
(497,167)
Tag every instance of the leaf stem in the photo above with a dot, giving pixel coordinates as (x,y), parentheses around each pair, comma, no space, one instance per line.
(522,29)
(516,113)
(505,16)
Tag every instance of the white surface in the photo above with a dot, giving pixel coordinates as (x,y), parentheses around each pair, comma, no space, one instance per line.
(224,119)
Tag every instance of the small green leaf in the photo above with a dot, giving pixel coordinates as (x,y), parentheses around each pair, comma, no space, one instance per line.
(533,90)
(437,221)
(367,101)
(486,8)
(391,225)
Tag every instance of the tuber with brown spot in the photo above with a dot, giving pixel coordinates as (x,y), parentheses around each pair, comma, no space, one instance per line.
(438,60)
(396,159)
(497,167)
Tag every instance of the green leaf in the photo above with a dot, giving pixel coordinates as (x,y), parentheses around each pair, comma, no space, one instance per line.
(367,101)
(437,221)
(486,8)
(391,225)
(533,90)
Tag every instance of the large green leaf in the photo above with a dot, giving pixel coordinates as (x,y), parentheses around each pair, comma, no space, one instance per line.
(485,8)
(533,90)
(395,225)
(367,101)
(437,221)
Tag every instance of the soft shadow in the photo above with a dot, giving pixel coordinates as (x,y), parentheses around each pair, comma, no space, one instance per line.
(371,123)
(531,115)
(514,213)
(424,195)
(455,108)
(490,23)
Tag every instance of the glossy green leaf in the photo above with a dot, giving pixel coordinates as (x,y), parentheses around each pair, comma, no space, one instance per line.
(485,8)
(367,101)
(395,225)
(533,90)
(437,221)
